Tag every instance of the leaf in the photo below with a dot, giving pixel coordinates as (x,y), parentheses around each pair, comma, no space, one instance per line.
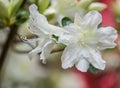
(55,37)
(66,21)
(22,15)
(22,12)
(93,69)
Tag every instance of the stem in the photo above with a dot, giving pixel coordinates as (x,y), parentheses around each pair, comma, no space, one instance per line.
(6,46)
(13,31)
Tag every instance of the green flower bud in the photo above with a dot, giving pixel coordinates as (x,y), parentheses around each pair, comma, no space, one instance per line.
(15,4)
(3,9)
(42,5)
(84,3)
(97,6)
(9,7)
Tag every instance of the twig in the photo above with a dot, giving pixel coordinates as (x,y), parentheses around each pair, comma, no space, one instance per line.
(13,31)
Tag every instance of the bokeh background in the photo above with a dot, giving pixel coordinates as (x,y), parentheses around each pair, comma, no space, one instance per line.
(18,71)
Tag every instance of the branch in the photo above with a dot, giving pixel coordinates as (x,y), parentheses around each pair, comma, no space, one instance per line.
(11,35)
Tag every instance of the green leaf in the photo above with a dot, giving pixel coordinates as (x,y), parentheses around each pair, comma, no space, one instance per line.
(22,12)
(66,21)
(93,69)
(21,16)
(55,37)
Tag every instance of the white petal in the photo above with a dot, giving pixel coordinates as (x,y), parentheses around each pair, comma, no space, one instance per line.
(66,39)
(34,52)
(69,35)
(33,28)
(55,30)
(79,17)
(38,23)
(46,50)
(106,37)
(71,28)
(94,57)
(82,65)
(36,19)
(38,49)
(92,19)
(69,56)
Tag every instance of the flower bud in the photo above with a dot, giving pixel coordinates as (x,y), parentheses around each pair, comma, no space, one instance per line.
(97,6)
(42,5)
(84,3)
(9,7)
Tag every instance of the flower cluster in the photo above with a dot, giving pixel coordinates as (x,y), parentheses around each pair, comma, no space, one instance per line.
(84,39)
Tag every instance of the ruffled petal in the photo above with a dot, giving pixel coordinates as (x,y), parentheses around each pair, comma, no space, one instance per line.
(92,20)
(55,30)
(94,58)
(71,28)
(82,65)
(69,56)
(69,34)
(79,17)
(38,23)
(34,52)
(106,37)
(46,50)
(37,19)
(67,39)
(38,49)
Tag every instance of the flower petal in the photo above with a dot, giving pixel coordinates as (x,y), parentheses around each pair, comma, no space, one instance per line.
(36,19)
(55,30)
(38,49)
(69,56)
(38,23)
(82,65)
(34,52)
(106,37)
(46,50)
(94,57)
(79,17)
(69,34)
(67,39)
(92,19)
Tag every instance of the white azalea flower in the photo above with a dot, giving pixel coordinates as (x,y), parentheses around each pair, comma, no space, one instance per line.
(85,40)
(39,26)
